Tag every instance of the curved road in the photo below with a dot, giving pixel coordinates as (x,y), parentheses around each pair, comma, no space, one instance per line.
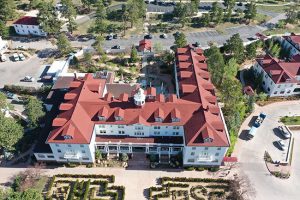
(250,154)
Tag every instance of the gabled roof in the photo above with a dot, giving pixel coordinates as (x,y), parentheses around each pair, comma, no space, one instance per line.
(196,108)
(280,71)
(27,20)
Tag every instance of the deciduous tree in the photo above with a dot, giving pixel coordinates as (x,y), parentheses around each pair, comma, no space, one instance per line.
(48,18)
(251,50)
(180,40)
(251,11)
(35,111)
(4,32)
(235,47)
(133,55)
(10,132)
(69,12)
(216,65)
(7,10)
(63,44)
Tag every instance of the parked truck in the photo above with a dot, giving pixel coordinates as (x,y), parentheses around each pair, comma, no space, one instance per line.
(256,125)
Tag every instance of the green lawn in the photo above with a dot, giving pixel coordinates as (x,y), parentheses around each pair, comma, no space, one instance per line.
(296,29)
(295,120)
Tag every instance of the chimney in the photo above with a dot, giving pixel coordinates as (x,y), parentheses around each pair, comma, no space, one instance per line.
(75,75)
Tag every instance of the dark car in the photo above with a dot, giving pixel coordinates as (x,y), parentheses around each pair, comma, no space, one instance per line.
(116,47)
(149,36)
(115,36)
(109,37)
(176,34)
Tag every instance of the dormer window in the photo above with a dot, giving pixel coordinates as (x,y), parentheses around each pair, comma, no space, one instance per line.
(68,137)
(158,119)
(101,118)
(119,114)
(208,140)
(118,118)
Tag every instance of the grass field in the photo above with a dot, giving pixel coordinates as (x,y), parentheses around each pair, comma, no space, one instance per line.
(277,9)
(294,120)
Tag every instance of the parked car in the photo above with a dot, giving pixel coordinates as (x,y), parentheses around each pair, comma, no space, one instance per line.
(164,36)
(116,47)
(259,119)
(284,131)
(109,37)
(28,79)
(115,36)
(10,95)
(281,144)
(176,34)
(2,58)
(21,47)
(148,36)
(47,79)
(21,56)
(16,57)
(252,132)
(197,44)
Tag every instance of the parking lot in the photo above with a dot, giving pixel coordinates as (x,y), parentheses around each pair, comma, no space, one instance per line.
(13,71)
(251,153)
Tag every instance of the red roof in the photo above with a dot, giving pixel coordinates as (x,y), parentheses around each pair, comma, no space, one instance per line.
(145,45)
(280,71)
(27,20)
(197,111)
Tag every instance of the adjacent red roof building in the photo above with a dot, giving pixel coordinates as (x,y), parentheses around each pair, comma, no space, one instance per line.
(145,45)
(27,20)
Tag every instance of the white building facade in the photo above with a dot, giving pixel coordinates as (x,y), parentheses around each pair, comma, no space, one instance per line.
(28,26)
(291,43)
(277,77)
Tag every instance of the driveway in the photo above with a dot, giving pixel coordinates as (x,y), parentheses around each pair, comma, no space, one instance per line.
(251,153)
(13,72)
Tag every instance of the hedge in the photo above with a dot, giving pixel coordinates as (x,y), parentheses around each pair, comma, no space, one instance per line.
(26,90)
(50,185)
(71,194)
(110,177)
(184,179)
(86,189)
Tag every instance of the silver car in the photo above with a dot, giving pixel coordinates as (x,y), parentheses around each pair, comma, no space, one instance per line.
(284,131)
(281,144)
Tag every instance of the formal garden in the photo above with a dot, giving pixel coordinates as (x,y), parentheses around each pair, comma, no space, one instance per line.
(191,188)
(77,186)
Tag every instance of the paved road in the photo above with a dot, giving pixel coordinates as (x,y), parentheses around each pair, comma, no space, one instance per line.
(250,154)
(13,72)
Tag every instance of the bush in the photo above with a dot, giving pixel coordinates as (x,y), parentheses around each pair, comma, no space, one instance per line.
(25,90)
(86,189)
(50,185)
(213,169)
(90,165)
(200,169)
(189,168)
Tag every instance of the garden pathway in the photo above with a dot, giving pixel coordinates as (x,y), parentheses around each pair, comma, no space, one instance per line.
(135,181)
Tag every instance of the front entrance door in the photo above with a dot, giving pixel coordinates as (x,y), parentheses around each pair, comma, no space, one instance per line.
(138,149)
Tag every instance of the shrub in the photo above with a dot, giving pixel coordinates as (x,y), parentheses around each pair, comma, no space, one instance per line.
(50,185)
(90,165)
(213,169)
(189,168)
(200,169)
(86,189)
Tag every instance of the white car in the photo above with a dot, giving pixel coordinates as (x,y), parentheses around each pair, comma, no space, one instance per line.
(21,56)
(28,79)
(16,57)
(284,131)
(281,144)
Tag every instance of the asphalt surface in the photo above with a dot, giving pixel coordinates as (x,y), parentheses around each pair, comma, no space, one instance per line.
(245,31)
(250,155)
(13,72)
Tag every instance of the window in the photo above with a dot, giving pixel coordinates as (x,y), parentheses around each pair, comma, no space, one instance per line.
(69,145)
(102,131)
(289,91)
(282,92)
(279,86)
(124,148)
(175,127)
(175,133)
(120,126)
(193,148)
(57,145)
(156,132)
(50,156)
(192,153)
(206,148)
(61,158)
(156,127)
(268,89)
(219,148)
(139,133)
(83,151)
(264,83)
(81,145)
(191,160)
(85,158)
(58,150)
(275,92)
(217,154)
(41,156)
(121,132)
(138,128)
